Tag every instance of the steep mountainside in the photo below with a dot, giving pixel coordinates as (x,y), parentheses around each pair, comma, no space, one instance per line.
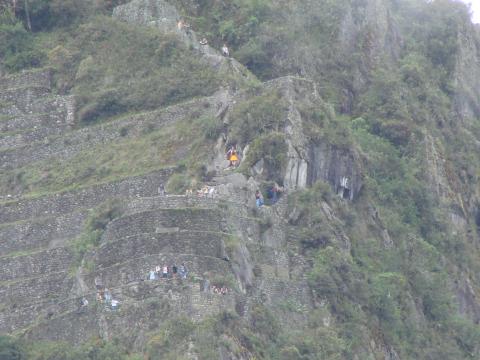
(364,114)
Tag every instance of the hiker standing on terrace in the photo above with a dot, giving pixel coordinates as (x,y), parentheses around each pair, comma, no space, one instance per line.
(225,51)
(258,198)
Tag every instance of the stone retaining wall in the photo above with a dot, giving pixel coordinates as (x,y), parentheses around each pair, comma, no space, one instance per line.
(32,78)
(70,144)
(41,233)
(137,267)
(67,202)
(39,263)
(199,243)
(158,221)
(144,306)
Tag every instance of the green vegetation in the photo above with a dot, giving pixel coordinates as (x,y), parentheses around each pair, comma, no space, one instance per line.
(133,69)
(95,226)
(262,114)
(383,269)
(134,154)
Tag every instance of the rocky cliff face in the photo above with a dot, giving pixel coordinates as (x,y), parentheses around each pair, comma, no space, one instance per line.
(299,257)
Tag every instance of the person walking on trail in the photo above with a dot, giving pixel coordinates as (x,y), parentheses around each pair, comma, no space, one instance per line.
(258,199)
(165,271)
(225,51)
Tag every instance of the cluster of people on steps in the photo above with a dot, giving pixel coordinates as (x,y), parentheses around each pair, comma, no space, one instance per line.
(273,193)
(166,272)
(104,296)
(182,25)
(205,191)
(220,290)
(215,289)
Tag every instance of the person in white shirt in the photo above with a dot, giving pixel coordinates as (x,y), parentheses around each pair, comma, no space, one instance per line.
(225,51)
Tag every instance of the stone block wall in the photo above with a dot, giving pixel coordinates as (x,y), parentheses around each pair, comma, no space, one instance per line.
(144,306)
(136,268)
(70,201)
(39,263)
(41,233)
(71,143)
(33,78)
(140,245)
(159,221)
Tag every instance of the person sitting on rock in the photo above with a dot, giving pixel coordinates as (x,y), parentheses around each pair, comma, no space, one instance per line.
(204,42)
(114,304)
(180,24)
(225,51)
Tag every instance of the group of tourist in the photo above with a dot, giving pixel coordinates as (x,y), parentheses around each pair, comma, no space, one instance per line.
(104,296)
(216,289)
(205,191)
(166,272)
(220,290)
(272,194)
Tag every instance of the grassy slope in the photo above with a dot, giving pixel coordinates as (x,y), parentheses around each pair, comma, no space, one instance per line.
(372,289)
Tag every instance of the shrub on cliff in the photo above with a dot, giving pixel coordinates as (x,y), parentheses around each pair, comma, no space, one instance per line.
(9,349)
(125,68)
(17,46)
